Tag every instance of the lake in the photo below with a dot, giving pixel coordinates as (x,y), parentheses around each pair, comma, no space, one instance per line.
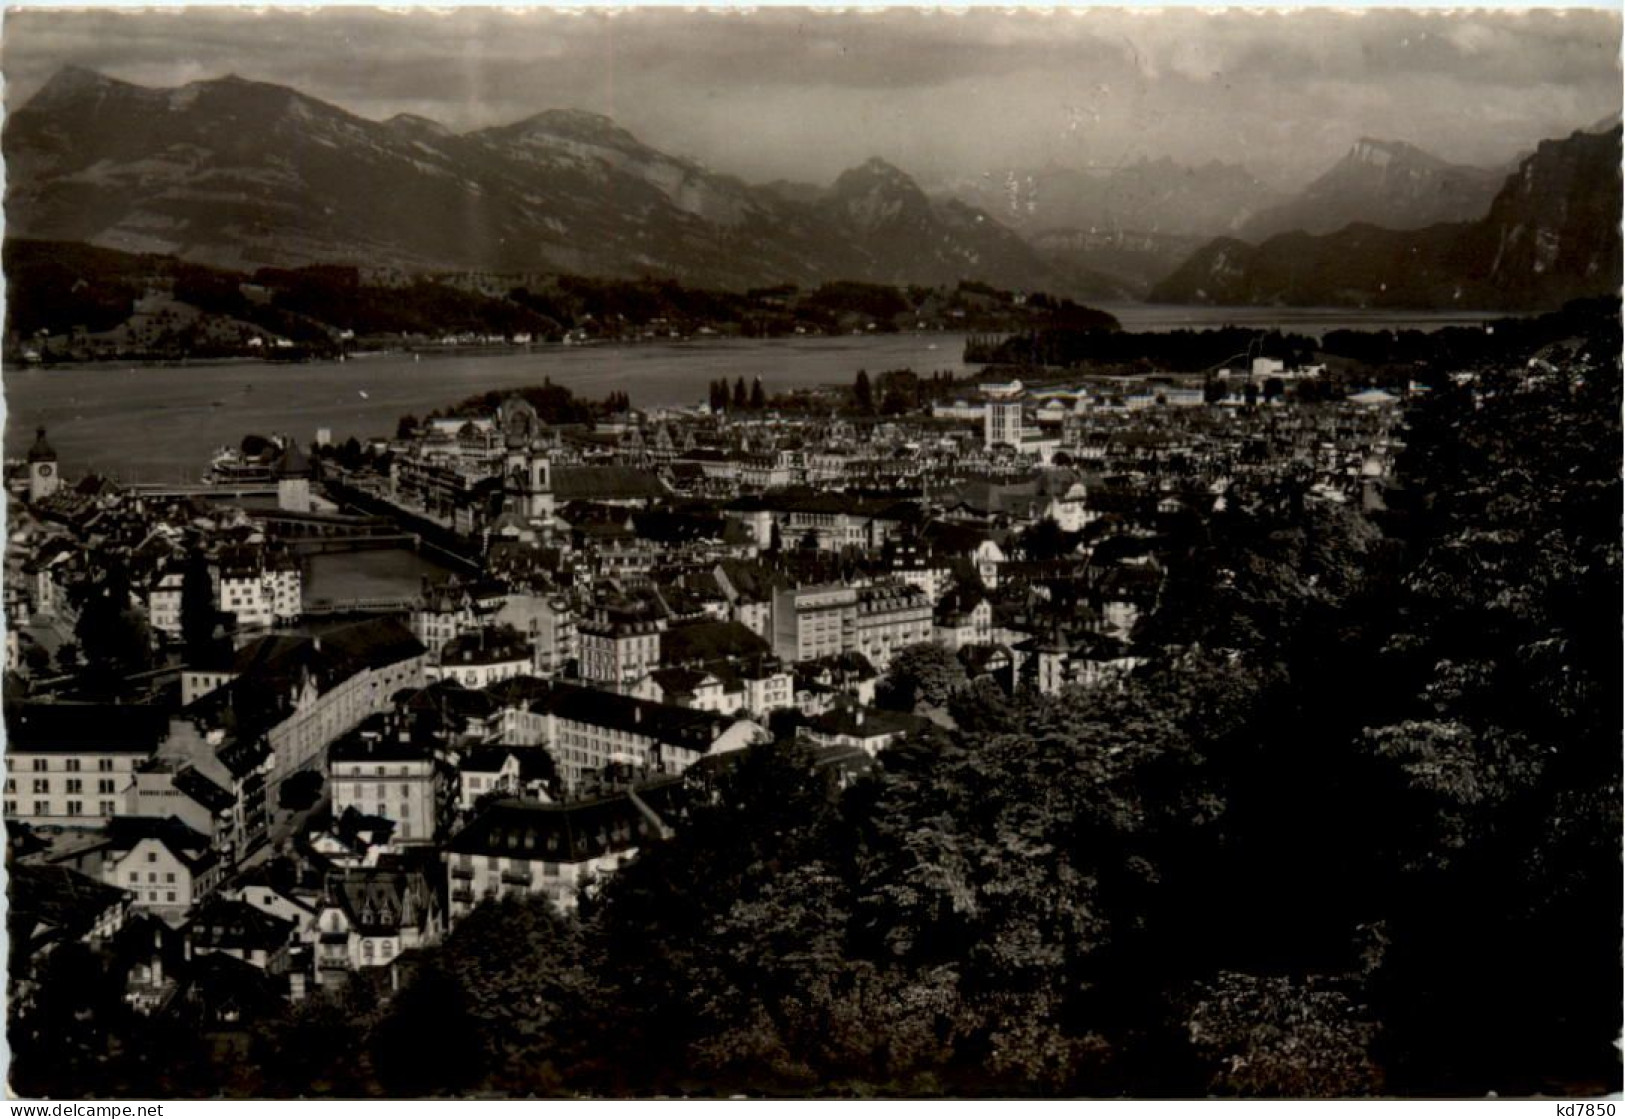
(163,423)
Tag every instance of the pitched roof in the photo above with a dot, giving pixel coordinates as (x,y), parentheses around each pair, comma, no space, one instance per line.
(381,901)
(604,483)
(191,783)
(705,641)
(491,759)
(679,681)
(261,695)
(376,740)
(752,580)
(561,833)
(41,451)
(221,924)
(63,728)
(294,463)
(184,842)
(672,726)
(848,721)
(54,903)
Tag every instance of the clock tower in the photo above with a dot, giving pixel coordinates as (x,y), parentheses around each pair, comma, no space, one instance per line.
(43,479)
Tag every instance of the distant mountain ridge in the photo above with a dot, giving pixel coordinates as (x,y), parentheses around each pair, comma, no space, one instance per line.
(1387,183)
(1158,196)
(239,174)
(1551,233)
(1119,229)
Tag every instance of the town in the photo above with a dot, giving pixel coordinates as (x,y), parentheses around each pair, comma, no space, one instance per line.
(272,795)
(757,555)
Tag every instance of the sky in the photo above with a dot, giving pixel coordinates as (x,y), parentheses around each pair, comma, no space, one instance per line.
(803,94)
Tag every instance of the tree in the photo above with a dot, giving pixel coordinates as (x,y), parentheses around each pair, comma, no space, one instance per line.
(758,396)
(862,394)
(300,791)
(1273,1037)
(500,993)
(1045,541)
(981,708)
(926,673)
(406,427)
(113,635)
(1274,388)
(740,397)
(198,613)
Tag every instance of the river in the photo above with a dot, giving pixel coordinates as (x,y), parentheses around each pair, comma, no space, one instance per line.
(163,423)
(387,573)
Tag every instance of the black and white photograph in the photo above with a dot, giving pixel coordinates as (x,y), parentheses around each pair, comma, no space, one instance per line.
(794,553)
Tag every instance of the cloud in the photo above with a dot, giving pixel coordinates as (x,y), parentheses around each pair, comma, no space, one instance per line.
(800,93)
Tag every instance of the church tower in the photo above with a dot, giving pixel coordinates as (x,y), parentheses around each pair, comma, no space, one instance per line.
(539,493)
(43,479)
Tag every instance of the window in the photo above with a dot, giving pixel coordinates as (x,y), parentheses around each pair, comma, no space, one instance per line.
(152,856)
(11,807)
(41,765)
(169,876)
(107,808)
(42,808)
(75,807)
(135,876)
(406,790)
(42,784)
(104,765)
(75,785)
(73,765)
(169,895)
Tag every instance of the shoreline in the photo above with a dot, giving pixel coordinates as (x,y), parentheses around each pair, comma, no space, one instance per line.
(1135,317)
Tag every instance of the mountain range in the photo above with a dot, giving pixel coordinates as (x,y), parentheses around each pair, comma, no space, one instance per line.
(1160,197)
(1388,183)
(1551,233)
(239,174)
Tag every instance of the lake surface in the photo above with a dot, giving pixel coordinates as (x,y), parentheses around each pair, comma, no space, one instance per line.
(163,423)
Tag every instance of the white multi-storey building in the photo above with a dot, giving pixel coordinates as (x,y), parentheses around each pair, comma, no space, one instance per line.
(71,763)
(1002,424)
